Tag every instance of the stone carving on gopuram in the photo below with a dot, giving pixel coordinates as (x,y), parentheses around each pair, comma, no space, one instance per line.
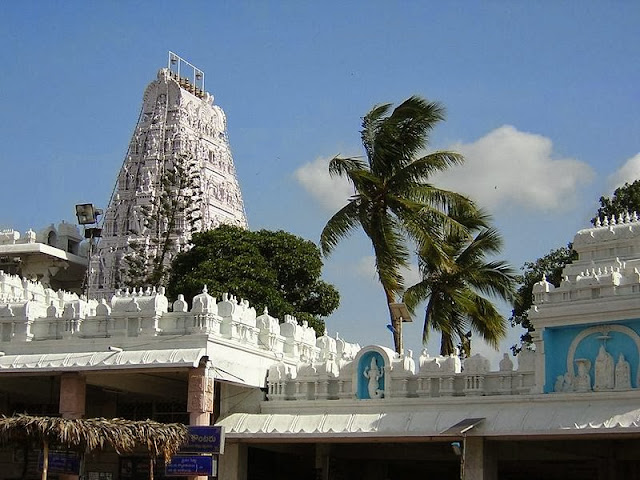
(180,138)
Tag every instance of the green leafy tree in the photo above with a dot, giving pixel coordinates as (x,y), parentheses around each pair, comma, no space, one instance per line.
(625,199)
(549,266)
(272,269)
(393,200)
(460,286)
(173,213)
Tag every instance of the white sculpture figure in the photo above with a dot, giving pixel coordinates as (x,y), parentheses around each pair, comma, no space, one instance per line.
(373,374)
(506,365)
(559,383)
(604,370)
(582,381)
(623,374)
(147,182)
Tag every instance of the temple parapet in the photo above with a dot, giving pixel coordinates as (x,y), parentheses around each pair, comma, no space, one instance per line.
(377,373)
(29,312)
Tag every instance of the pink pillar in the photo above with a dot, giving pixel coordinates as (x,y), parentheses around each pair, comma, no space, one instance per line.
(73,389)
(200,400)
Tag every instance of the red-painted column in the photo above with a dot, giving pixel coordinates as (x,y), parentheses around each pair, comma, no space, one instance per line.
(200,400)
(73,390)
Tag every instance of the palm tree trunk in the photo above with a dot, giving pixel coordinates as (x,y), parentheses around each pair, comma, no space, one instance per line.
(396,323)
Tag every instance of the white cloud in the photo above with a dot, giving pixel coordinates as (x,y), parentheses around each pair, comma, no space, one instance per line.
(508,167)
(505,168)
(331,192)
(628,173)
(411,275)
(366,268)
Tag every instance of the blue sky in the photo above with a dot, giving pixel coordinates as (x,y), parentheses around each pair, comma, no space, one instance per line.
(541,97)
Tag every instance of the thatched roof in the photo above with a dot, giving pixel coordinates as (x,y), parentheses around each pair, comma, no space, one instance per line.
(97,433)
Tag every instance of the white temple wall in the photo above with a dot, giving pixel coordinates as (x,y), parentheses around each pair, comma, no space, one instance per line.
(588,328)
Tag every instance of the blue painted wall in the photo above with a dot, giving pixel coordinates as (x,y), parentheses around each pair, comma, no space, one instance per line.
(557,341)
(363,383)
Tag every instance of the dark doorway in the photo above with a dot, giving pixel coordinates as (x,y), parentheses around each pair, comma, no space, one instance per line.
(355,461)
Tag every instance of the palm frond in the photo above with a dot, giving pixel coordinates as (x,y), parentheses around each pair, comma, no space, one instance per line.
(421,169)
(415,294)
(370,127)
(390,250)
(486,321)
(339,226)
(487,241)
(494,279)
(342,166)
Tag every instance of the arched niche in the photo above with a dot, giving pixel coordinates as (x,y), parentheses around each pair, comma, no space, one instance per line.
(602,330)
(367,382)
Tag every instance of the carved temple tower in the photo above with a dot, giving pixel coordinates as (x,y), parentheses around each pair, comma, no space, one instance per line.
(179,147)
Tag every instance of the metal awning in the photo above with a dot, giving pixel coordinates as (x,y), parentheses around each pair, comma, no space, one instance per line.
(101,360)
(445,421)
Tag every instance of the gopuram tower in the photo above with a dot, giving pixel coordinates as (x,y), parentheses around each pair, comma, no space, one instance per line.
(177,178)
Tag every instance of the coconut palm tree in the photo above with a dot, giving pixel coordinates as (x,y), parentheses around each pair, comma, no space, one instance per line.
(459,287)
(393,201)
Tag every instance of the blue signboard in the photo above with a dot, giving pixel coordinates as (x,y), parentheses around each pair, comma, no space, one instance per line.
(190,465)
(205,440)
(62,462)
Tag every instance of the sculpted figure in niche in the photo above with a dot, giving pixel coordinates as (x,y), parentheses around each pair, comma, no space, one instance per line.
(564,383)
(147,181)
(623,374)
(557,387)
(154,145)
(373,374)
(567,384)
(603,370)
(139,222)
(582,382)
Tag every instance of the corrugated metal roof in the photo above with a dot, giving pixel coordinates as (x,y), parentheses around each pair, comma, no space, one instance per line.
(101,360)
(526,418)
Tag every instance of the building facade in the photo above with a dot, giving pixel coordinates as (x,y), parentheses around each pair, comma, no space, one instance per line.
(55,256)
(567,410)
(296,406)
